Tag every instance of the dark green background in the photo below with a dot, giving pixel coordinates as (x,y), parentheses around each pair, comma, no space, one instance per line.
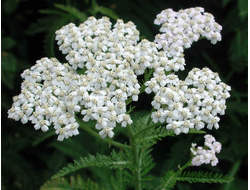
(28,35)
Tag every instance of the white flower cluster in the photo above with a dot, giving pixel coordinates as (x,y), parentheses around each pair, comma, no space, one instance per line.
(206,155)
(49,96)
(181,29)
(111,60)
(188,104)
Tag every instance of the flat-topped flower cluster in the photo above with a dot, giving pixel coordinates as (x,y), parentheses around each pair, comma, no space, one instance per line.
(206,154)
(53,93)
(180,29)
(188,104)
(110,60)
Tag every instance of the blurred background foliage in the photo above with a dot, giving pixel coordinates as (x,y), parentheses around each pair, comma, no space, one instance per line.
(30,158)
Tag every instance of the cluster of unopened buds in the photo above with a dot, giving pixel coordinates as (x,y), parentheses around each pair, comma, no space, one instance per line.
(206,154)
(100,78)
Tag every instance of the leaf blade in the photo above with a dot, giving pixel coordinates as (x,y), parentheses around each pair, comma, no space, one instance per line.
(113,161)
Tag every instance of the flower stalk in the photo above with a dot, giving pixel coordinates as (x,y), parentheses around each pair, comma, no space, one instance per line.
(136,159)
(109,141)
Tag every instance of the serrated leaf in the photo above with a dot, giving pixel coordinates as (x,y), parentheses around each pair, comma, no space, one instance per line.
(204,177)
(117,180)
(72,10)
(169,180)
(72,184)
(112,161)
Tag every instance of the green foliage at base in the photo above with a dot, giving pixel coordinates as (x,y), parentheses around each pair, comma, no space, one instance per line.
(113,161)
(171,178)
(72,184)
(204,177)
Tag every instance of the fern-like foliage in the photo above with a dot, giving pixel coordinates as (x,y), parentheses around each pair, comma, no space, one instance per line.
(159,133)
(113,161)
(150,135)
(204,177)
(73,11)
(146,163)
(169,180)
(117,180)
(141,120)
(72,184)
(171,177)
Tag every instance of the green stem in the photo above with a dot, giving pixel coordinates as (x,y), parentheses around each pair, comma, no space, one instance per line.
(136,159)
(184,167)
(96,135)
(120,178)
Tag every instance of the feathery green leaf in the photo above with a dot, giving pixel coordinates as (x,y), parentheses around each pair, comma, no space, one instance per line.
(204,177)
(113,161)
(73,11)
(169,180)
(72,184)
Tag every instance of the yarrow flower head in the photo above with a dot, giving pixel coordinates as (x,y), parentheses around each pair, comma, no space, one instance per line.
(206,154)
(180,29)
(193,103)
(101,77)
(53,93)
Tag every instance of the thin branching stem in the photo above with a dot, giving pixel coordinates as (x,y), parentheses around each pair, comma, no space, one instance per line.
(136,158)
(109,141)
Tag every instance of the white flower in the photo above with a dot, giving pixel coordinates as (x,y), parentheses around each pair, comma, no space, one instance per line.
(106,131)
(175,126)
(158,116)
(61,133)
(206,156)
(43,125)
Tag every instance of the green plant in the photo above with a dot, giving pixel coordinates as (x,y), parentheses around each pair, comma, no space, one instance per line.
(42,156)
(100,81)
